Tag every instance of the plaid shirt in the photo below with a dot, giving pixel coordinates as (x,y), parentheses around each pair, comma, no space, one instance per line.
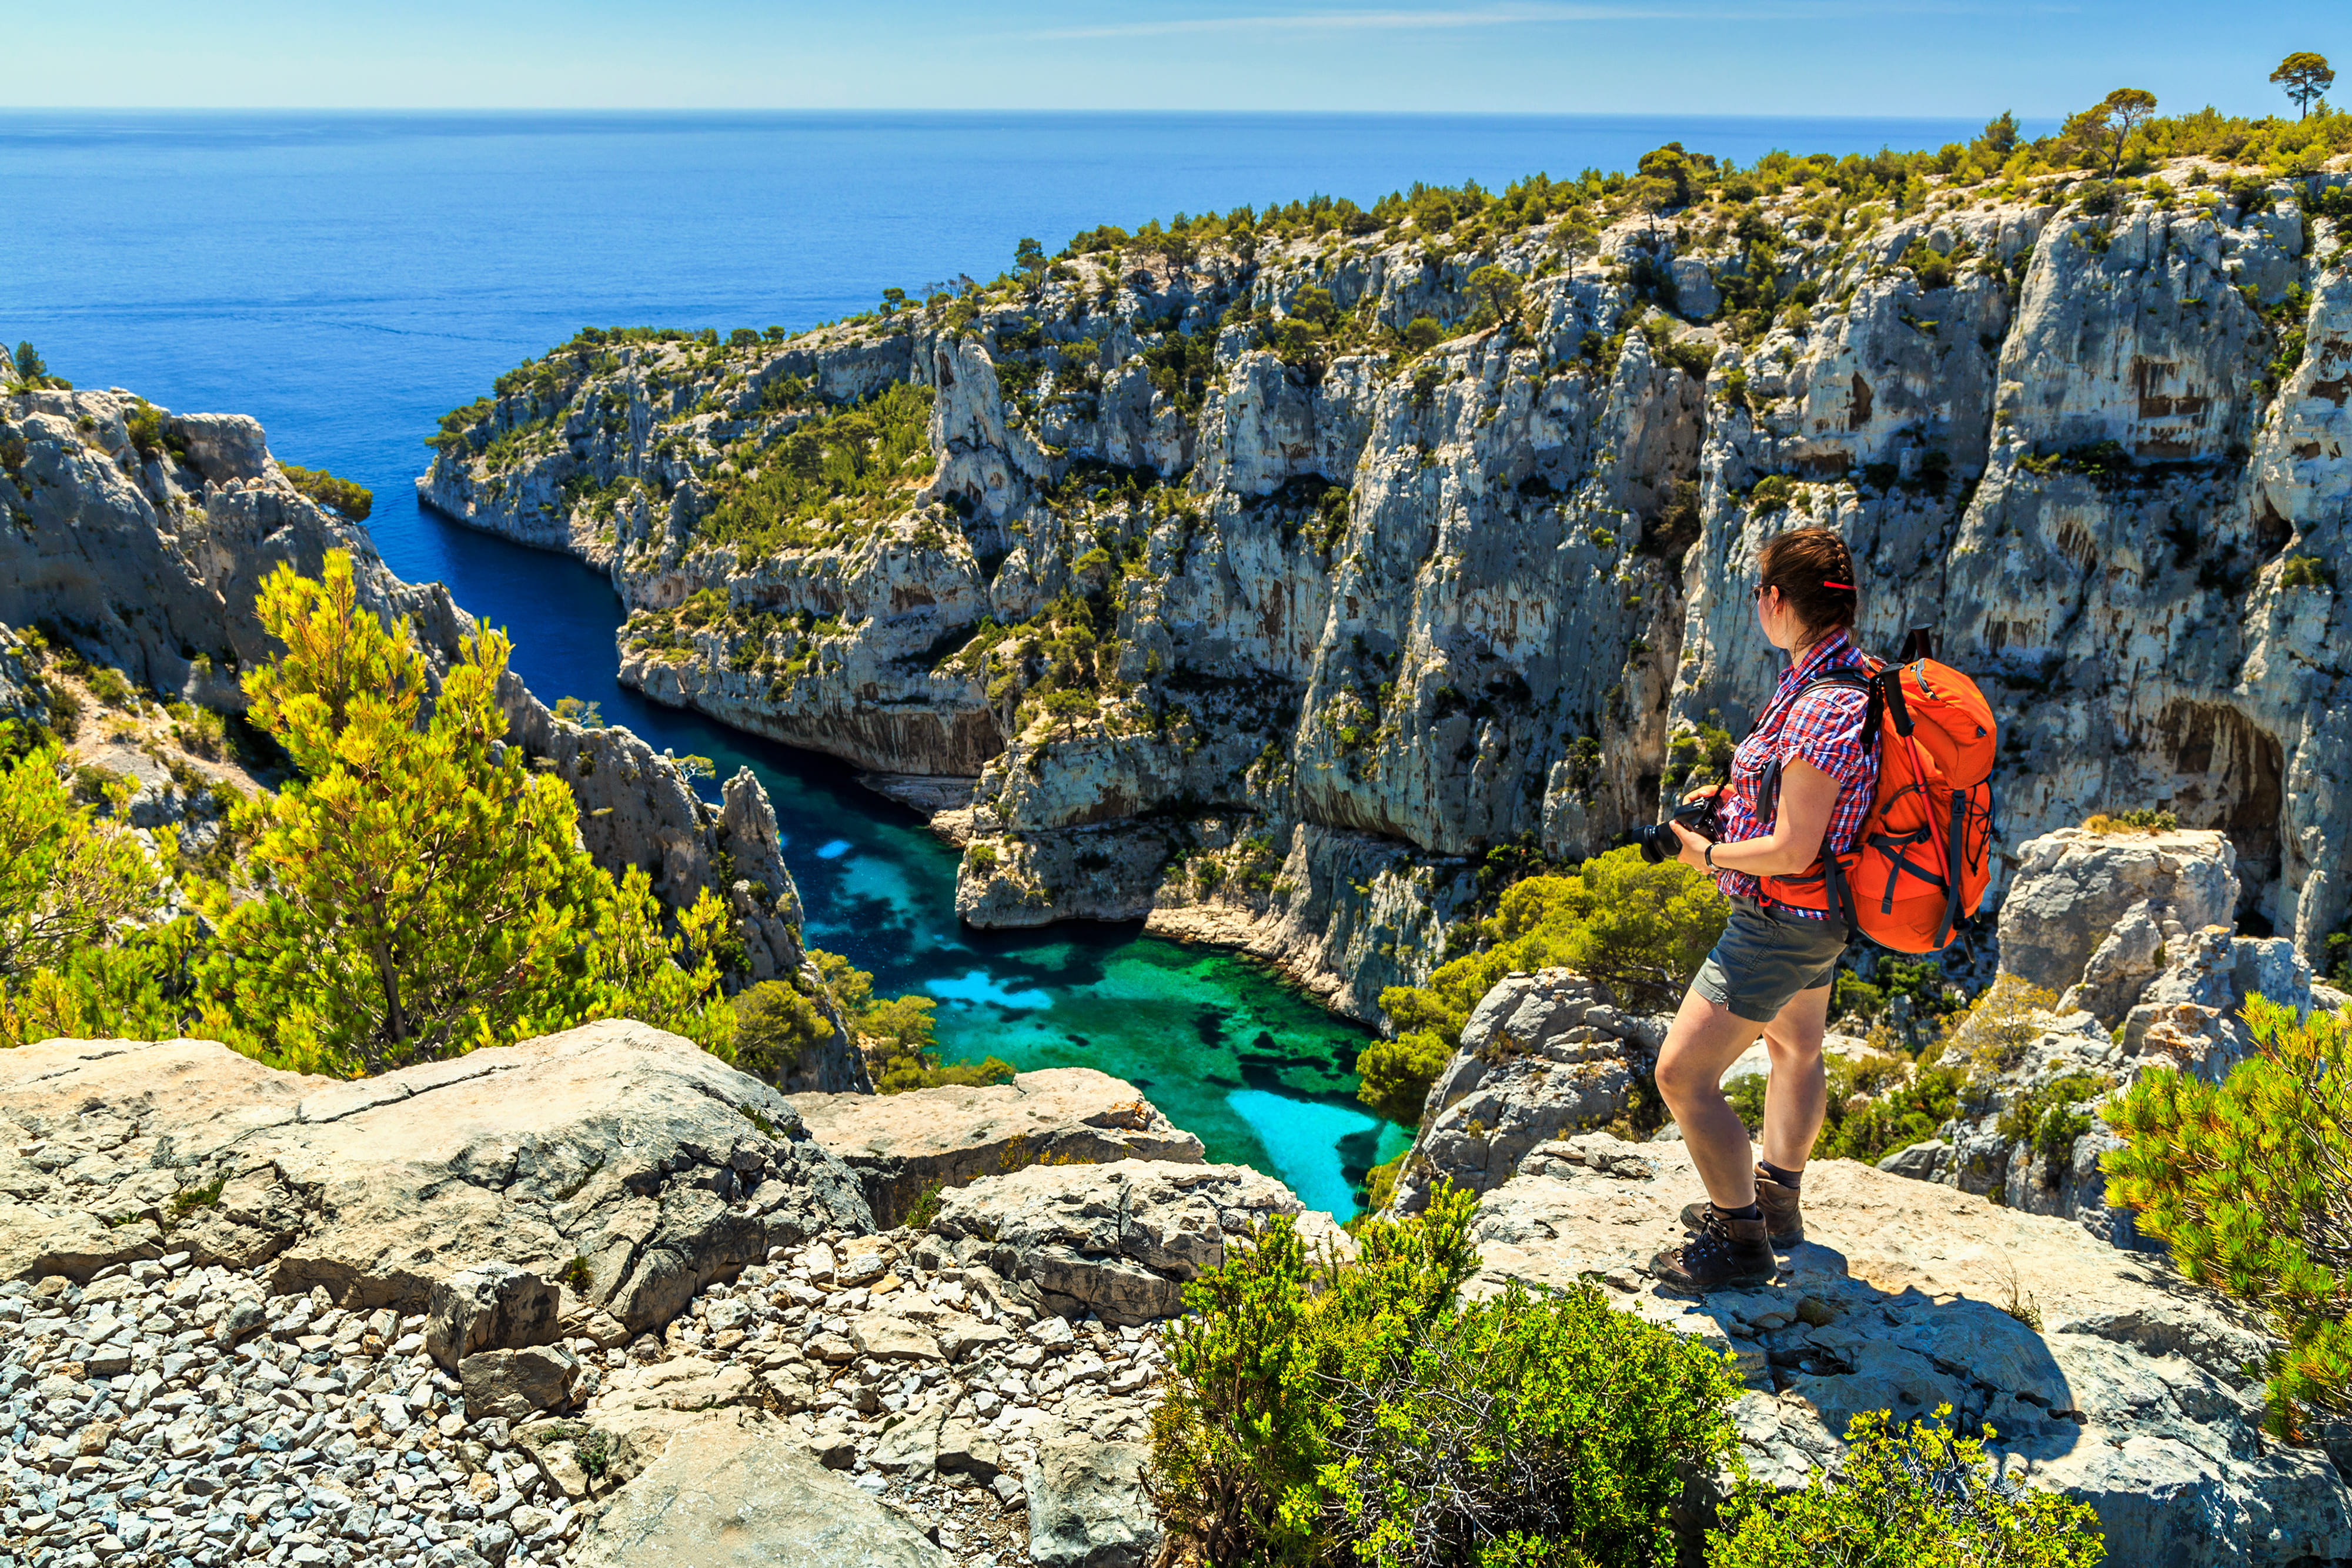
(1824,728)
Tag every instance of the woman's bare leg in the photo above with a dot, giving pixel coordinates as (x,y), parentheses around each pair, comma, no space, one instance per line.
(1705,1039)
(1797,1097)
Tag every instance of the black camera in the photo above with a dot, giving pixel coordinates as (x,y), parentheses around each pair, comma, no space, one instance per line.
(1658,843)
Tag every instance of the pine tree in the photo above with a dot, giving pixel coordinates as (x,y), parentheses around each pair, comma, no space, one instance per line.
(2251,1184)
(422,890)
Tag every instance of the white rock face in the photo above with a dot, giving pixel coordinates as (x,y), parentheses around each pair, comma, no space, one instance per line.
(2133,929)
(1444,603)
(904,1144)
(1120,1240)
(615,1157)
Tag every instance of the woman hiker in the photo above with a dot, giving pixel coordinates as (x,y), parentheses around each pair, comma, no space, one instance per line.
(1771,973)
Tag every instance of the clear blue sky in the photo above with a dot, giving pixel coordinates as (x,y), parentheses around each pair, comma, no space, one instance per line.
(1763,57)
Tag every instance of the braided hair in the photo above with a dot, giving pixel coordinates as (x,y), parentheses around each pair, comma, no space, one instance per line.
(1815,573)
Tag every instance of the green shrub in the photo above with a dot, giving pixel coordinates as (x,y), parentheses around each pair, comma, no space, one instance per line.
(1699,755)
(1395,1074)
(2139,819)
(896,1033)
(340,495)
(2047,1118)
(1908,1497)
(108,686)
(1877,1106)
(2304,571)
(2001,1022)
(1421,334)
(776,1028)
(1360,1414)
(981,858)
(2249,1183)
(1379,1182)
(148,437)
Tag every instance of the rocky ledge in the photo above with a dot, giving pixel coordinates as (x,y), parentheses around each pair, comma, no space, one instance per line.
(2105,1377)
(903,1145)
(623,1160)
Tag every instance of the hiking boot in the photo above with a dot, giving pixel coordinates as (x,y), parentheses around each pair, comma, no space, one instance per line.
(1784,1218)
(1726,1253)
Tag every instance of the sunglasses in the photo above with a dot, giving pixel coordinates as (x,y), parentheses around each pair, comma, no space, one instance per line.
(1761,589)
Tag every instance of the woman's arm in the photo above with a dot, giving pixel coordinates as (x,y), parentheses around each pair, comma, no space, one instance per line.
(1807,796)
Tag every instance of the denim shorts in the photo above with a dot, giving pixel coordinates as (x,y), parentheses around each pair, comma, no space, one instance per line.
(1765,958)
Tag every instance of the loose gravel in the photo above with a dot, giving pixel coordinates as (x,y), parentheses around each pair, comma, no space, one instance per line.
(177,1415)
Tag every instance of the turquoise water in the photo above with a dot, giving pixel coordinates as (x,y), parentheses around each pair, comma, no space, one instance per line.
(347,278)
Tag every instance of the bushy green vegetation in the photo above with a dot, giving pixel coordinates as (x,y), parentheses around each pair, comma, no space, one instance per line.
(33,372)
(413,892)
(149,437)
(422,890)
(778,1030)
(340,495)
(2136,820)
(856,464)
(901,1051)
(2249,1183)
(70,875)
(1876,1105)
(1907,1496)
(1362,1414)
(1881,1104)
(1640,929)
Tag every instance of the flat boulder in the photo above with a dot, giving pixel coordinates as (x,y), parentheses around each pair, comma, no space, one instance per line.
(622,1160)
(1089,1507)
(729,1488)
(515,1385)
(1120,1240)
(902,1145)
(2128,1395)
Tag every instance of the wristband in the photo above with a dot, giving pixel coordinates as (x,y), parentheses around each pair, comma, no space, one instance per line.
(1710,856)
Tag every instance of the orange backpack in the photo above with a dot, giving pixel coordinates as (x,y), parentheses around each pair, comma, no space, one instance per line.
(1922,859)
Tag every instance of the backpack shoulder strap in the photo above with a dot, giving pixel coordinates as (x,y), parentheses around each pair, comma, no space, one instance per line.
(1767,790)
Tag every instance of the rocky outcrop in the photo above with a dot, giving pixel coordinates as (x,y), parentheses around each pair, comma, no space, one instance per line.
(2125,941)
(145,552)
(2091,916)
(2106,1377)
(1118,1240)
(1367,608)
(925,1140)
(1544,1056)
(625,1162)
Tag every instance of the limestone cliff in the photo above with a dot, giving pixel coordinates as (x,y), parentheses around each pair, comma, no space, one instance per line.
(140,537)
(1268,585)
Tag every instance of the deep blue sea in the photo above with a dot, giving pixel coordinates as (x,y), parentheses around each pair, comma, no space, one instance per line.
(348,277)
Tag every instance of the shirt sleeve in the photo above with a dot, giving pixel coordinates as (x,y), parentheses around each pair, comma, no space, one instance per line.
(1824,728)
